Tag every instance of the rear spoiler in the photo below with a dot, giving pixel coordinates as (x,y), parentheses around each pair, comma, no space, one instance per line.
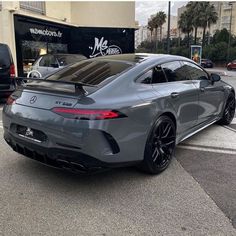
(78,85)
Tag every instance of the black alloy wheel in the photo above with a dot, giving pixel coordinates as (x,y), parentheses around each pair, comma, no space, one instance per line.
(229,110)
(160,146)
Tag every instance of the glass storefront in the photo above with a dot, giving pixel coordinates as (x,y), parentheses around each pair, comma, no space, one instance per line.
(31,50)
(35,37)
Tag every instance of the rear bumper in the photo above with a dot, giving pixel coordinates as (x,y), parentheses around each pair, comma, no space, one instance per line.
(73,161)
(91,144)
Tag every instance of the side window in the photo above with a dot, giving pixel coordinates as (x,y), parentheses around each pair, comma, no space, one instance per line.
(145,78)
(47,61)
(195,72)
(175,71)
(153,76)
(158,76)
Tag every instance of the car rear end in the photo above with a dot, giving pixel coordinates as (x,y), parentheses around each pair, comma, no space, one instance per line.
(7,72)
(63,125)
(206,63)
(231,65)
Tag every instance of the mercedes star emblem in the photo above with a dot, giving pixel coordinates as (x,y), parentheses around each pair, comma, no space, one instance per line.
(33,99)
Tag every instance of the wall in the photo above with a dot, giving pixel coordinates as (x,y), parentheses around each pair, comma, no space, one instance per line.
(103,14)
(59,10)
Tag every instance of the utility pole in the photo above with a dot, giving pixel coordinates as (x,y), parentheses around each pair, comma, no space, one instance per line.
(230,24)
(168,30)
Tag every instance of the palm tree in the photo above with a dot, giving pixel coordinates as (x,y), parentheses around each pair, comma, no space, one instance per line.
(194,8)
(156,25)
(185,24)
(161,19)
(212,18)
(207,16)
(151,27)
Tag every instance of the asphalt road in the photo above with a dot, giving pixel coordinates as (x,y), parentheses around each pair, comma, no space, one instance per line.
(195,196)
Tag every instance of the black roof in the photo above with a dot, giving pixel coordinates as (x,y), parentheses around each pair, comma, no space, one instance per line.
(134,58)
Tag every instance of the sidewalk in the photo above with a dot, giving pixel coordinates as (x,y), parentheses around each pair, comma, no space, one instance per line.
(221,71)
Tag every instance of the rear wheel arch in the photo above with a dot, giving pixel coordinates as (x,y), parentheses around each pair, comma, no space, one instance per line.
(164,145)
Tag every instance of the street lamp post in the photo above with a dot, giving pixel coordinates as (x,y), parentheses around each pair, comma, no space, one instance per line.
(230,23)
(168,30)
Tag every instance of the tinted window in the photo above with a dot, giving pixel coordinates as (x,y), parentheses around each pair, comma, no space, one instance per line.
(68,59)
(91,72)
(5,59)
(146,78)
(153,76)
(194,71)
(175,71)
(158,75)
(47,61)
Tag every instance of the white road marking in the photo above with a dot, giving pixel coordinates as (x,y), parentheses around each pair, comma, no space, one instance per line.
(233,121)
(229,128)
(208,149)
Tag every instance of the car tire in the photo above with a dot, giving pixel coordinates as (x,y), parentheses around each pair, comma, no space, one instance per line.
(229,68)
(159,146)
(229,111)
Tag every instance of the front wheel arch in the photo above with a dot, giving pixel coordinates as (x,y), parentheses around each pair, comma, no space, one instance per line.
(226,118)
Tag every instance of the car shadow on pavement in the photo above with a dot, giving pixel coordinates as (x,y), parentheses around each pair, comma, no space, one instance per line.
(33,170)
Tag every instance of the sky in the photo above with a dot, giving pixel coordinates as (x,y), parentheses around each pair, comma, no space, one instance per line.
(143,9)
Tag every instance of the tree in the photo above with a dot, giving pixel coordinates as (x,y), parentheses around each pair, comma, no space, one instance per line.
(212,18)
(207,16)
(221,36)
(156,25)
(194,9)
(160,19)
(185,24)
(151,27)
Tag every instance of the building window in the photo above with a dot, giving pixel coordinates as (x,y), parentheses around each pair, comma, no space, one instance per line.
(0,5)
(35,6)
(225,19)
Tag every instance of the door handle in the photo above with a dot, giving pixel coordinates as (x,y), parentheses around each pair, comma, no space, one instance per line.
(174,95)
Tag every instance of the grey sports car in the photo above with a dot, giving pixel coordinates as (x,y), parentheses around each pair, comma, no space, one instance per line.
(130,109)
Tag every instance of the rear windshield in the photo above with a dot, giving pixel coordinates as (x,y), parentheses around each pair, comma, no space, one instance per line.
(5,59)
(92,72)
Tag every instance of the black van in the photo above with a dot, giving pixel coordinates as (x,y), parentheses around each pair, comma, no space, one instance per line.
(7,72)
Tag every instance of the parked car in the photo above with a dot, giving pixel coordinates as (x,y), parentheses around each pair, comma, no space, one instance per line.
(130,109)
(206,63)
(231,65)
(7,71)
(50,63)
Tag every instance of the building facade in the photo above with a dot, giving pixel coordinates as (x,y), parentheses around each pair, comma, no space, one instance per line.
(141,34)
(224,10)
(33,28)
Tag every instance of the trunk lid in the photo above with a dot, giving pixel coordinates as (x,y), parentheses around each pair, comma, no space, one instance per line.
(47,96)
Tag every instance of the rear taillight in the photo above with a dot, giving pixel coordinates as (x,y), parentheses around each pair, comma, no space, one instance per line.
(12,71)
(11,101)
(84,114)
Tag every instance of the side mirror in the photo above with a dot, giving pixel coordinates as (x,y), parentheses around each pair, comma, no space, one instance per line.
(215,77)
